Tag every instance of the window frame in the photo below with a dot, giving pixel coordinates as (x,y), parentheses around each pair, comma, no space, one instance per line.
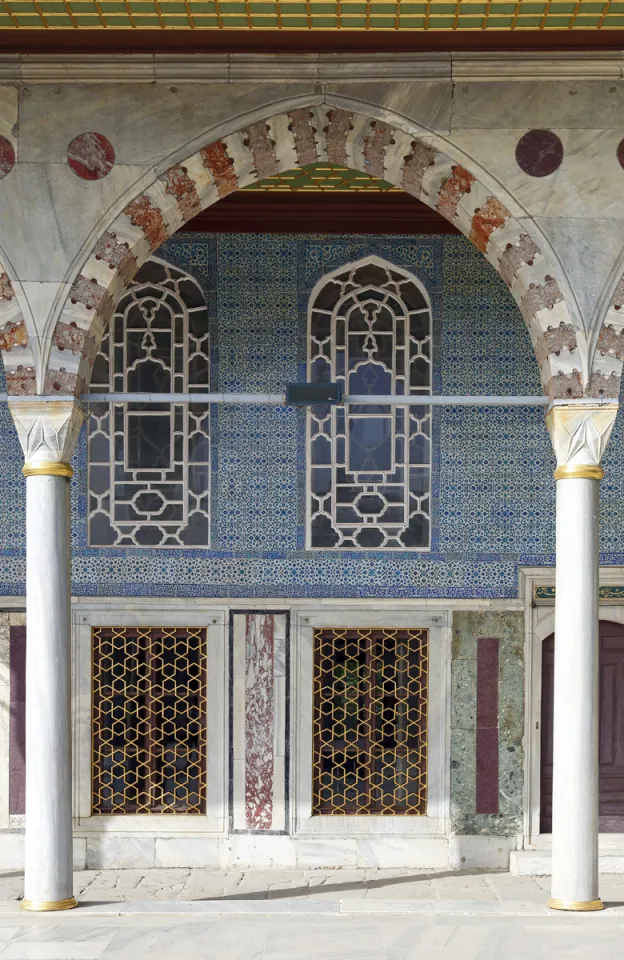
(127,612)
(435,822)
(186,346)
(309,515)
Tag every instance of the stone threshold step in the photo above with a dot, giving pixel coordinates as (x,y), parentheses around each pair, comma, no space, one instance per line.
(195,909)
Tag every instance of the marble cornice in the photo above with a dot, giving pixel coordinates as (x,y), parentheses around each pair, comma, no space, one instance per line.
(319,67)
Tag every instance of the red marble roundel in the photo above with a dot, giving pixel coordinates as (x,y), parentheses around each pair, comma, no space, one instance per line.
(7,157)
(620,153)
(539,153)
(91,156)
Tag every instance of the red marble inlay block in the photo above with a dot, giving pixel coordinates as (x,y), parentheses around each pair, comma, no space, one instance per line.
(486,219)
(179,185)
(258,140)
(304,133)
(375,146)
(259,710)
(6,287)
(91,156)
(487,724)
(540,296)
(516,255)
(142,213)
(68,336)
(13,335)
(215,158)
(337,132)
(88,292)
(21,381)
(7,157)
(452,190)
(117,255)
(416,163)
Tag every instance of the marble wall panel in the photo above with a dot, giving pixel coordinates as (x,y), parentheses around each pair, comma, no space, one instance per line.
(145,123)
(585,185)
(542,104)
(426,103)
(259,692)
(474,636)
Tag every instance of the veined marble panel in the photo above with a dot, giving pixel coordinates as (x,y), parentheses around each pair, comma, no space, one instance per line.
(259,721)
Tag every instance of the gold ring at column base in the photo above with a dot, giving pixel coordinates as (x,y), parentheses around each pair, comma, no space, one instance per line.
(579,471)
(579,905)
(45,469)
(43,905)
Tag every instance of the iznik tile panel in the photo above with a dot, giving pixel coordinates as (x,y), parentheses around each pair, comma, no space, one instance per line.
(493,493)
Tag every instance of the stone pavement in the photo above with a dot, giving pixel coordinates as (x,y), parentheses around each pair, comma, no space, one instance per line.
(310,915)
(307,885)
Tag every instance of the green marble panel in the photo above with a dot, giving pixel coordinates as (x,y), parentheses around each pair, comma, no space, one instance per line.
(468,627)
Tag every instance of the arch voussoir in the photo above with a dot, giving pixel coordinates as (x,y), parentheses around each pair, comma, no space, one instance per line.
(292,139)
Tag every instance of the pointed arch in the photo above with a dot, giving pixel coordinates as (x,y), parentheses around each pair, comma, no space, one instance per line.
(292,139)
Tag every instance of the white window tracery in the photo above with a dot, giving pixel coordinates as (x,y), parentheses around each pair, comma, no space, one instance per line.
(369,466)
(149,464)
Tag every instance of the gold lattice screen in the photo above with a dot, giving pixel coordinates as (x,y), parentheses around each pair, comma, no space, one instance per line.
(149,720)
(370,722)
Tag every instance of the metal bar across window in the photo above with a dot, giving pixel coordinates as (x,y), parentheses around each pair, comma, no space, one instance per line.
(279,399)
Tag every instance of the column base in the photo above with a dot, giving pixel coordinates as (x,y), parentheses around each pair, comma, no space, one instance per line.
(43,905)
(579,905)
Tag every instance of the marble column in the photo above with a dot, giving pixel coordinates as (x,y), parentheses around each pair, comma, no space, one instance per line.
(579,433)
(48,432)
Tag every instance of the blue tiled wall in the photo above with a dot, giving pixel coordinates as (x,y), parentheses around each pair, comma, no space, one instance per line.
(493,488)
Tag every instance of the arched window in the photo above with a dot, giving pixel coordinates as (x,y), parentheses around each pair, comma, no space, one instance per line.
(370,465)
(149,464)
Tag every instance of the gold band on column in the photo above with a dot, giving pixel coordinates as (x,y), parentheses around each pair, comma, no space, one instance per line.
(47,469)
(579,905)
(579,471)
(40,906)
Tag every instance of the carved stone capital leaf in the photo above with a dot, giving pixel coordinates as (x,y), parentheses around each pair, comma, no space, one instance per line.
(580,432)
(47,429)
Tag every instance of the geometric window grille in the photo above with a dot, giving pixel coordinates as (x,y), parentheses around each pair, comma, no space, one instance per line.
(370,722)
(369,477)
(149,464)
(149,720)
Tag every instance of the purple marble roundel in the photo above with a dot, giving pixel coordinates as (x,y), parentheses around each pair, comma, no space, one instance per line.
(620,153)
(539,153)
(91,156)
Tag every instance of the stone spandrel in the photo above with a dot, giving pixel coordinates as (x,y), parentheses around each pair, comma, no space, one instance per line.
(47,429)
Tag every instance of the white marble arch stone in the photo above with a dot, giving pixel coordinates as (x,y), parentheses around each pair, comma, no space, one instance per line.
(436,823)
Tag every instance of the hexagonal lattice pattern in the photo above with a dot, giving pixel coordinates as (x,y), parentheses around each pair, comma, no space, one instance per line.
(370,722)
(149,720)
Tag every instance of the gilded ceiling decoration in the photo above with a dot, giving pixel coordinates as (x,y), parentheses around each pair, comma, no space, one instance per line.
(324,178)
(342,15)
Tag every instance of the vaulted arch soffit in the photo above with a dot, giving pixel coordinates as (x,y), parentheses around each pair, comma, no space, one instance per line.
(303,135)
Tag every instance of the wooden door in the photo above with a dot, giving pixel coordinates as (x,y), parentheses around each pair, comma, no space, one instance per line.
(611,747)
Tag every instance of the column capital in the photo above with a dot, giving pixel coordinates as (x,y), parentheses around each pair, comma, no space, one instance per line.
(579,433)
(47,431)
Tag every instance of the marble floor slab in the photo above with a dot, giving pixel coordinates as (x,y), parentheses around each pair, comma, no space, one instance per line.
(75,936)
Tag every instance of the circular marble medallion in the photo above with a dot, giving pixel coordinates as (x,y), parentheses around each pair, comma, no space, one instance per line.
(7,157)
(91,156)
(539,153)
(620,153)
